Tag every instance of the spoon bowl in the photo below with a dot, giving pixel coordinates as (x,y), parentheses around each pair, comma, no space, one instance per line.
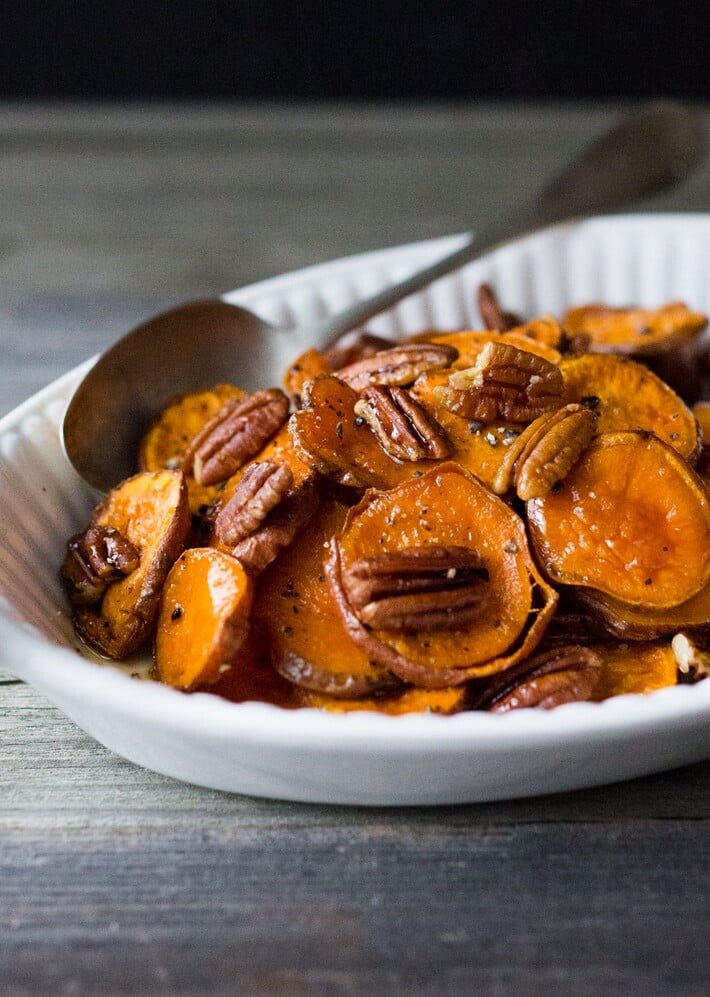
(204,342)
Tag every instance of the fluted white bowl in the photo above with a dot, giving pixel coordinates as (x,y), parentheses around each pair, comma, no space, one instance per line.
(358,758)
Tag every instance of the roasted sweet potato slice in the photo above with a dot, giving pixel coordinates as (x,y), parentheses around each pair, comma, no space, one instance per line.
(203,619)
(295,608)
(545,329)
(627,395)
(445,623)
(305,368)
(167,438)
(639,668)
(631,520)
(638,331)
(410,700)
(151,511)
(637,623)
(329,435)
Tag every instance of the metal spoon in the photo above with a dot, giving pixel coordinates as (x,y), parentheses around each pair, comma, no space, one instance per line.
(204,342)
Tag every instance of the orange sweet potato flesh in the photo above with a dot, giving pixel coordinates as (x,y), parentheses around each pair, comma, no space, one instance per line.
(410,700)
(294,605)
(448,507)
(166,440)
(641,669)
(151,510)
(640,331)
(328,435)
(630,396)
(631,520)
(305,368)
(203,620)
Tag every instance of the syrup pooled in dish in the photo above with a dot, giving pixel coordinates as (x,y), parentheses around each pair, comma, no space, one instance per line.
(491,519)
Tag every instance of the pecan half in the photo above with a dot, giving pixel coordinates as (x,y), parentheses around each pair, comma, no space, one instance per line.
(94,559)
(693,660)
(505,383)
(279,528)
(235,435)
(551,678)
(492,315)
(403,427)
(261,487)
(546,451)
(417,588)
(401,365)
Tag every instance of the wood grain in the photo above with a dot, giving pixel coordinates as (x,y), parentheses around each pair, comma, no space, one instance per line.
(115,880)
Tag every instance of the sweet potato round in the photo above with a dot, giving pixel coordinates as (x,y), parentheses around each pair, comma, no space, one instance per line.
(631,520)
(630,396)
(204,618)
(448,507)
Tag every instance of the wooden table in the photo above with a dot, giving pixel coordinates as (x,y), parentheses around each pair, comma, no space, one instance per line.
(114,880)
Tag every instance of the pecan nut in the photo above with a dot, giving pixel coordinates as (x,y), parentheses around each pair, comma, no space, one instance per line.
(261,487)
(505,383)
(546,451)
(492,315)
(401,365)
(565,674)
(278,529)
(417,588)
(235,435)
(403,427)
(95,559)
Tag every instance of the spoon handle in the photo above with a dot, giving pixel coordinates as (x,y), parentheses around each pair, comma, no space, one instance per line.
(651,151)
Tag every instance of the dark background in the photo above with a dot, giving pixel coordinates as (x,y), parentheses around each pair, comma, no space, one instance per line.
(388,50)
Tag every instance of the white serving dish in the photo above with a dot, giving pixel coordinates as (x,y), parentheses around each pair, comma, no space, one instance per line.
(358,758)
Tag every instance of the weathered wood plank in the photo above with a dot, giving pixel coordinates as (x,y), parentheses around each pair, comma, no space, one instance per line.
(372,907)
